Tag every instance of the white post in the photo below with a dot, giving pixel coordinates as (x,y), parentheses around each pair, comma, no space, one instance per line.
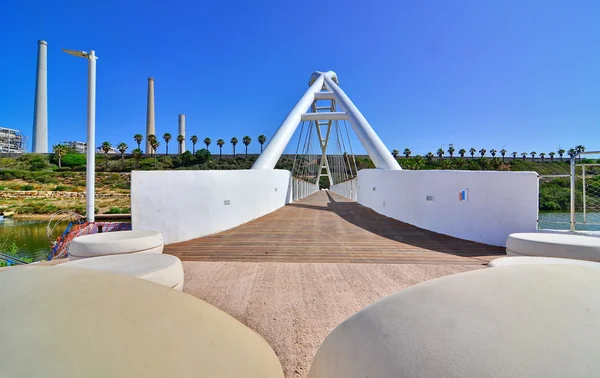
(91,139)
(583,183)
(573,193)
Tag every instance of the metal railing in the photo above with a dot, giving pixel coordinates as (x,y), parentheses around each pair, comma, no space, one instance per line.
(11,260)
(585,174)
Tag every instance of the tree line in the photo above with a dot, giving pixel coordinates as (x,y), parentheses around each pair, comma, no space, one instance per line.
(472,151)
(60,150)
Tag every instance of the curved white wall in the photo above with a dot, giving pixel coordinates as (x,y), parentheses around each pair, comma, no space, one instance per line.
(185,205)
(346,189)
(498,203)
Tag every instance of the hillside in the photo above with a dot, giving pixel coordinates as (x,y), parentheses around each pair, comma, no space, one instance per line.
(50,188)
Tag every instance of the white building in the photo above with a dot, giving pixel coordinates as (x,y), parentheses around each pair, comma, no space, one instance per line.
(12,141)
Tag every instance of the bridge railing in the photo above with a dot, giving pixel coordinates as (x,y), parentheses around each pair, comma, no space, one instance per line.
(300,189)
(348,189)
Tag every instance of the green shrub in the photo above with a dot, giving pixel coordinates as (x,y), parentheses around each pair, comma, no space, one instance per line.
(27,187)
(118,210)
(62,188)
(74,160)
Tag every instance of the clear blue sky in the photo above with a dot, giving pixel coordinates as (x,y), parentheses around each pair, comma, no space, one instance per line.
(525,74)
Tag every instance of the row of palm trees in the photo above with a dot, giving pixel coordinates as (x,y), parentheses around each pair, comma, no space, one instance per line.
(60,151)
(154,143)
(462,152)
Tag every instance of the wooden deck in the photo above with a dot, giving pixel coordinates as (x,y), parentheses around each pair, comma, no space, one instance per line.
(326,227)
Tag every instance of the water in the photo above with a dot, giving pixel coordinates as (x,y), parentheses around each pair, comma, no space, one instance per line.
(561,221)
(29,236)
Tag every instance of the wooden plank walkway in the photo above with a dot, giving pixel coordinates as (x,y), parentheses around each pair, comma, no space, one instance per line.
(326,227)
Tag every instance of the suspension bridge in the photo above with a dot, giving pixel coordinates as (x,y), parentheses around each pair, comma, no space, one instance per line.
(329,226)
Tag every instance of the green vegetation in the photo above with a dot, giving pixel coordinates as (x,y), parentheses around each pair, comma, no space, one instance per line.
(64,170)
(11,249)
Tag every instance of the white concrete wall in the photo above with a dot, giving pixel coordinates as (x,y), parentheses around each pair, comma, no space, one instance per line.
(184,205)
(346,189)
(499,203)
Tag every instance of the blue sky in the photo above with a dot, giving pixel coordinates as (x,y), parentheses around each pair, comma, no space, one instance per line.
(521,74)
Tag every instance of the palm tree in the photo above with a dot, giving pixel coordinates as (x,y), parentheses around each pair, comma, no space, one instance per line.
(167,137)
(207,141)
(524,155)
(462,152)
(429,156)
(493,152)
(154,144)
(137,155)
(552,153)
(122,147)
(395,153)
(407,152)
(220,143)
(440,152)
(451,150)
(542,154)
(503,153)
(180,139)
(194,140)
(106,146)
(261,139)
(533,153)
(246,140)
(59,151)
(234,141)
(514,155)
(138,139)
(472,152)
(579,150)
(561,152)
(572,152)
(482,152)
(150,139)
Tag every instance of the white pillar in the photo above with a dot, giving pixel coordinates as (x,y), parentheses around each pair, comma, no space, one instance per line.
(182,132)
(40,110)
(381,156)
(150,126)
(91,139)
(271,154)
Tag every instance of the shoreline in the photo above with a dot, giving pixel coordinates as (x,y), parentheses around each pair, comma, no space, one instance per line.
(98,217)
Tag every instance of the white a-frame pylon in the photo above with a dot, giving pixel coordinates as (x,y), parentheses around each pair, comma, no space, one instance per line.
(323,86)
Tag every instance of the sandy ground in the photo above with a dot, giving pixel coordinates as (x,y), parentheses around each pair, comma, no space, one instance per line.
(294,306)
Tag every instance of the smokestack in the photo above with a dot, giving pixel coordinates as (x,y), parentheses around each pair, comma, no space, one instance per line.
(40,110)
(150,126)
(182,132)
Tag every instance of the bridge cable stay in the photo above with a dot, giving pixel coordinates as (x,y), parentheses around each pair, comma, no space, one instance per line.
(355,174)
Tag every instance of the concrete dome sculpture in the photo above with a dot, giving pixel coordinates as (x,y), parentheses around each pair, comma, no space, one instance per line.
(529,320)
(74,322)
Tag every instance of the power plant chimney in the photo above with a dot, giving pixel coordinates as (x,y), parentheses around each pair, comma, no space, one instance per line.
(40,110)
(150,126)
(182,132)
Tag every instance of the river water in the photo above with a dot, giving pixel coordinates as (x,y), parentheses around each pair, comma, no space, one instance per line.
(29,236)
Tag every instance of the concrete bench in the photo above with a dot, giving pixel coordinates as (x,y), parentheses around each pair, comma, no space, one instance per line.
(115,243)
(570,246)
(162,269)
(523,321)
(530,260)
